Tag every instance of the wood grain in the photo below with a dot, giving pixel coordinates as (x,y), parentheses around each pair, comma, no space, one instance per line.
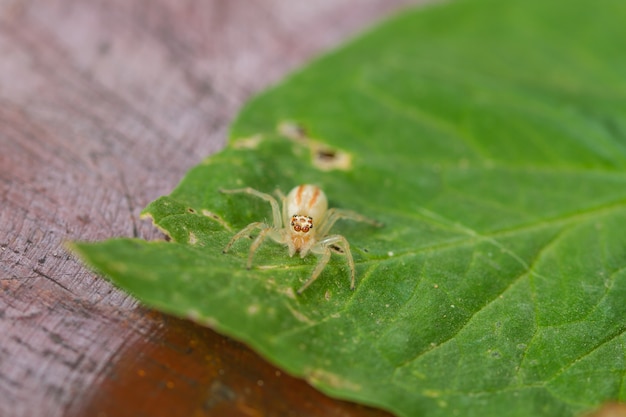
(104,105)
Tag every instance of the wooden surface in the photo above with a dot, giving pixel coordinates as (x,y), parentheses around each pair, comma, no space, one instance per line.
(104,105)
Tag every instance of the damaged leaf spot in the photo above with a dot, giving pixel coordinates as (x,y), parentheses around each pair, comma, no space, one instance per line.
(321,376)
(323,156)
(328,159)
(293,130)
(217,218)
(326,154)
(251,142)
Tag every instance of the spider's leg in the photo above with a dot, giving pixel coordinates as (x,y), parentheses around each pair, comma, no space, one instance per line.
(263,234)
(275,209)
(343,244)
(283,202)
(334,214)
(279,193)
(244,233)
(286,224)
(321,264)
(323,247)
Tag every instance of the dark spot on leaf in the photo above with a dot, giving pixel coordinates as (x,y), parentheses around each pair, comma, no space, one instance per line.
(326,154)
(191,210)
(293,130)
(336,248)
(327,158)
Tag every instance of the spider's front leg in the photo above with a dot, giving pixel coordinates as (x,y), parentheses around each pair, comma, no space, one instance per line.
(245,232)
(337,214)
(265,231)
(275,231)
(278,223)
(323,247)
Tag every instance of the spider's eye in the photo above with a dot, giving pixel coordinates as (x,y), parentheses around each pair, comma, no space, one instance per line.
(296,228)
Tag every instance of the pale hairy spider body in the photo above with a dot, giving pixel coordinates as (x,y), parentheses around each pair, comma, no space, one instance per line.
(303,225)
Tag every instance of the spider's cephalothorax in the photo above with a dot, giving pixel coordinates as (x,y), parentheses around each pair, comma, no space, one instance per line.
(300,236)
(310,205)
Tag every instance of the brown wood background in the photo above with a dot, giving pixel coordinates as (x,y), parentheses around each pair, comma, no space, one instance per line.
(104,105)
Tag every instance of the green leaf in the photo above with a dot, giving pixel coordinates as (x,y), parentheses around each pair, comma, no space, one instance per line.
(490,138)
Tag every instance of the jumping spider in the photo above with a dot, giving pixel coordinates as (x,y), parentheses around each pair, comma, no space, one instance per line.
(303,227)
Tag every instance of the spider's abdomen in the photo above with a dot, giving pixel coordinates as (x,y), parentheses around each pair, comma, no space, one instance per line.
(308,201)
